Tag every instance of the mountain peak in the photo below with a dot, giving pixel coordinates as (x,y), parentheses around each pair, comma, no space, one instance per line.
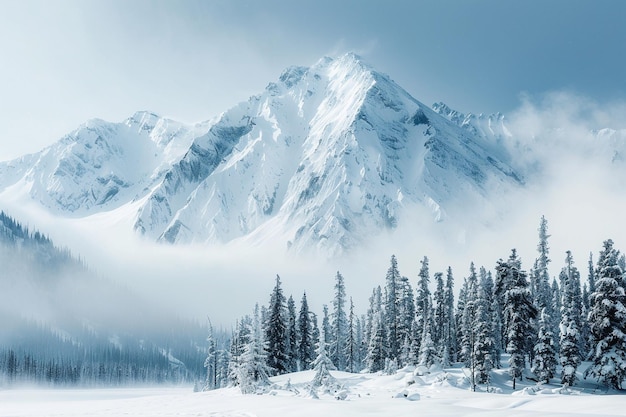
(326,157)
(144,120)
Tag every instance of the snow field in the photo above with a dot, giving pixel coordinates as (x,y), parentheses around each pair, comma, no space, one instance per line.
(438,394)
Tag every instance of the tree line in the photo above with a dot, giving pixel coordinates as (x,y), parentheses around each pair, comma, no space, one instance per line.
(538,321)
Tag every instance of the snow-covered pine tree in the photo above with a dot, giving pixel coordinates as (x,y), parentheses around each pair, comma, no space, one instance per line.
(591,277)
(428,352)
(469,316)
(326,331)
(496,331)
(450,338)
(570,343)
(240,338)
(483,343)
(276,332)
(210,363)
(377,348)
(414,346)
(458,319)
(544,360)
(292,336)
(360,340)
(406,313)
(375,305)
(518,313)
(339,325)
(315,333)
(253,372)
(305,347)
(439,310)
(392,314)
(607,320)
(352,347)
(585,331)
(541,281)
(322,367)
(423,299)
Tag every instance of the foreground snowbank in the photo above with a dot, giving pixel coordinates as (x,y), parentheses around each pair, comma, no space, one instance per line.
(438,394)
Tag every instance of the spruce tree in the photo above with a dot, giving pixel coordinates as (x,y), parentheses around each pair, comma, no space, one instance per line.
(322,367)
(352,347)
(483,344)
(326,331)
(292,336)
(449,343)
(377,348)
(210,363)
(607,320)
(423,299)
(252,373)
(406,312)
(276,332)
(440,311)
(392,313)
(518,312)
(570,343)
(305,347)
(339,331)
(469,316)
(544,360)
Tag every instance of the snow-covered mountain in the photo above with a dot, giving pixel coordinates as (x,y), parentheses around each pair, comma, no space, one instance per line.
(325,158)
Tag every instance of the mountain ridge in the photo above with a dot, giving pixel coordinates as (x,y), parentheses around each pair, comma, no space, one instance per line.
(324,158)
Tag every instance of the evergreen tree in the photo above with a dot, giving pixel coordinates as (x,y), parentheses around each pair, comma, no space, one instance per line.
(210,363)
(305,346)
(449,342)
(352,347)
(253,372)
(541,284)
(458,319)
(423,299)
(592,275)
(315,333)
(392,313)
(326,331)
(469,316)
(518,312)
(406,312)
(440,312)
(544,360)
(361,343)
(276,332)
(292,336)
(570,343)
(483,340)
(428,352)
(322,366)
(339,325)
(607,320)
(377,348)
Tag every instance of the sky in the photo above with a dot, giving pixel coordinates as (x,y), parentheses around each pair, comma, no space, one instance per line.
(66,61)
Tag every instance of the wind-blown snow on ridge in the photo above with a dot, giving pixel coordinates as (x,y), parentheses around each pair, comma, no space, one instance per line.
(324,158)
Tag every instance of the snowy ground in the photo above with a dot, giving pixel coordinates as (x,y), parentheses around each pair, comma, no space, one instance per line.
(437,394)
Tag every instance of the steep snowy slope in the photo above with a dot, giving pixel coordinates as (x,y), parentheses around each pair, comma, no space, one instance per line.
(324,158)
(100,165)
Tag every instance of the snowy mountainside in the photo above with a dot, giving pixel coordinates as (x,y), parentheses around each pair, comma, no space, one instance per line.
(100,165)
(325,158)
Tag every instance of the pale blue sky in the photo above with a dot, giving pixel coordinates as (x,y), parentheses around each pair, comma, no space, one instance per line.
(63,62)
